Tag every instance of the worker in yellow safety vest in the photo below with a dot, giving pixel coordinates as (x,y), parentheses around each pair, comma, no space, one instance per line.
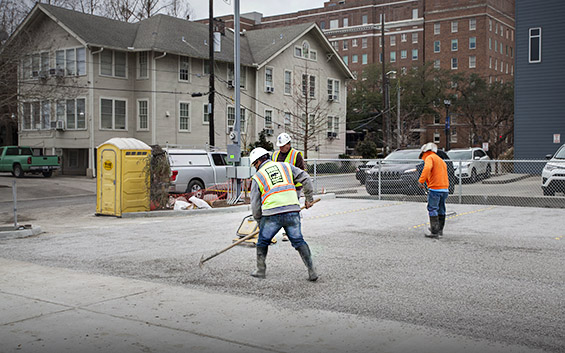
(289,155)
(275,205)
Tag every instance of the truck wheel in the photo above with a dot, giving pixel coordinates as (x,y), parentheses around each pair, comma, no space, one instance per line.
(18,172)
(48,174)
(194,186)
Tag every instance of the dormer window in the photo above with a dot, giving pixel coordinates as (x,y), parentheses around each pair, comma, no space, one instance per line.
(305,52)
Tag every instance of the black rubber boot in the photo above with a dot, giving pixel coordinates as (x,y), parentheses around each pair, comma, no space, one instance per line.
(441,219)
(433,231)
(261,270)
(306,256)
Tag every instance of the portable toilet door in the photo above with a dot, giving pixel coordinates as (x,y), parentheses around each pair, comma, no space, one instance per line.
(123,183)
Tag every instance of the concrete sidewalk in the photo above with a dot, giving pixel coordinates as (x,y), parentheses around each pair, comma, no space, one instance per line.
(48,309)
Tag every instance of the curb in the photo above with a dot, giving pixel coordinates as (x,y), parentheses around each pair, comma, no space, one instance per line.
(196,212)
(19,233)
(493,180)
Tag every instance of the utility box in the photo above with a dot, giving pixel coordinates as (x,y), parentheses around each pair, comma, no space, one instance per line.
(123,183)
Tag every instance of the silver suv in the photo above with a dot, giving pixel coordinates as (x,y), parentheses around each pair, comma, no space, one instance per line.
(193,170)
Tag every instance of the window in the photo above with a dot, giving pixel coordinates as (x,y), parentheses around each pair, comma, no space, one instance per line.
(333,90)
(454,26)
(287,121)
(45,62)
(437,46)
(312,86)
(334,24)
(415,37)
(490,25)
(496,28)
(112,63)
(205,114)
(453,134)
(113,114)
(436,137)
(298,50)
(392,40)
(437,119)
(363,42)
(142,63)
(364,19)
(354,42)
(268,78)
(490,43)
(453,63)
(287,82)
(346,59)
(268,119)
(242,121)
(242,76)
(392,56)
(436,64)
(345,44)
(184,116)
(403,37)
(472,61)
(335,45)
(403,54)
(437,28)
(495,46)
(472,24)
(364,59)
(501,48)
(308,85)
(305,52)
(490,62)
(142,114)
(184,68)
(346,22)
(414,14)
(472,42)
(68,62)
(414,54)
(495,64)
(333,126)
(205,67)
(231,119)
(322,24)
(354,58)
(501,30)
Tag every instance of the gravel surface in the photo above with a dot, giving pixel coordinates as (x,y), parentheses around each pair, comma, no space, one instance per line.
(497,274)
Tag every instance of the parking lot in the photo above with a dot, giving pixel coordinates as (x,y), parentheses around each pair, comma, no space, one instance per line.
(493,283)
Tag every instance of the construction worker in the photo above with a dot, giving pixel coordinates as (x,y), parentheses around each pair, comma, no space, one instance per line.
(289,155)
(275,205)
(435,176)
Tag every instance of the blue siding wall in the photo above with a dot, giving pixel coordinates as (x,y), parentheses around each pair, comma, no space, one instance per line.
(539,88)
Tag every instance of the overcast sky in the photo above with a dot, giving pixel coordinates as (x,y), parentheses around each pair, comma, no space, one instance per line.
(266,7)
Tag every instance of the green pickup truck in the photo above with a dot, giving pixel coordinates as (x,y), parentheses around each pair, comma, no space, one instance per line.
(20,160)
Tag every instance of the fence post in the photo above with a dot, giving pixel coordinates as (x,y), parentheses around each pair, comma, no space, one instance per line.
(460,182)
(14,195)
(379,179)
(315,176)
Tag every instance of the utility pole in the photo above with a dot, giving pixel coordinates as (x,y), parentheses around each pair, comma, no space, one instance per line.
(211,65)
(387,127)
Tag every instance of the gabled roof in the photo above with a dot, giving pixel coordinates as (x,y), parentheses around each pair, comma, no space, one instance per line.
(177,36)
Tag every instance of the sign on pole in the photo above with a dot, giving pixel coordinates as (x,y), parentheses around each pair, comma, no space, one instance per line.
(485,146)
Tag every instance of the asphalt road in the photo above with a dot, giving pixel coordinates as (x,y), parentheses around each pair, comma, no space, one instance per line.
(497,275)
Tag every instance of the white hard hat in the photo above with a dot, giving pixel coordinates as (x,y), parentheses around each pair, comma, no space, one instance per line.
(256,154)
(430,146)
(283,139)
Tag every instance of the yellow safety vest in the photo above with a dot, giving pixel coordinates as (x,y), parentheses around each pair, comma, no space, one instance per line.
(290,158)
(276,186)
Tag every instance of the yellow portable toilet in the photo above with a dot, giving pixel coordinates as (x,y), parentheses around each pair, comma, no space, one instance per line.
(123,180)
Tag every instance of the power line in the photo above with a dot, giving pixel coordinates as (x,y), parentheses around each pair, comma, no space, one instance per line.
(193,94)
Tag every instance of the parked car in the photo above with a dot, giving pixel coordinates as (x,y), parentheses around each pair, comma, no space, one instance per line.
(553,174)
(21,160)
(399,173)
(474,163)
(193,170)
(361,171)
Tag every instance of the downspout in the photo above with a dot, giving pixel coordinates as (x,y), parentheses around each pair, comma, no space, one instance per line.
(91,152)
(154,98)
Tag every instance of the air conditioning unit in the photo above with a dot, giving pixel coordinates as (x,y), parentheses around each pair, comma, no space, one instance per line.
(230,84)
(332,135)
(35,74)
(60,125)
(269,132)
(332,97)
(269,89)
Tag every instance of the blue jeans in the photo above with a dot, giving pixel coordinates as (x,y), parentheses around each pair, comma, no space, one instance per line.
(436,202)
(270,225)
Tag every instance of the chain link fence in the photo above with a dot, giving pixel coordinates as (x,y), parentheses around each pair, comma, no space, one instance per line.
(526,183)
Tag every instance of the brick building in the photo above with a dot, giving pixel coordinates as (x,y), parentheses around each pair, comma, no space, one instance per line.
(457,35)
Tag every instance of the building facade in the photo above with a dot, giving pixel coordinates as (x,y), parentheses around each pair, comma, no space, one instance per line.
(84,79)
(539,120)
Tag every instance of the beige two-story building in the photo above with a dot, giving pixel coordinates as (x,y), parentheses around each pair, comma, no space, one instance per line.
(84,79)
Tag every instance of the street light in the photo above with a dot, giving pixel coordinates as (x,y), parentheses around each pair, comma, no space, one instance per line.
(447,103)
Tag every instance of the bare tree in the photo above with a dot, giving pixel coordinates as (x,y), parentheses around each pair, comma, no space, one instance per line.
(180,9)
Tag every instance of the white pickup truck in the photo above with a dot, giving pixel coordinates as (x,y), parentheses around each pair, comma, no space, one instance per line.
(193,170)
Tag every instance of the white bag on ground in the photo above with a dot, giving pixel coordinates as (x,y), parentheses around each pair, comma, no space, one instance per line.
(181,205)
(199,202)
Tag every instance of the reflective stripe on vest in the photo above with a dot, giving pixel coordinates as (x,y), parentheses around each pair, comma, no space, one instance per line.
(290,158)
(275,183)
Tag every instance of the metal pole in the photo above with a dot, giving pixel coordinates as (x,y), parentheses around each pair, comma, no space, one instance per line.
(460,183)
(315,176)
(237,79)
(379,162)
(14,195)
(384,84)
(211,82)
(398,114)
